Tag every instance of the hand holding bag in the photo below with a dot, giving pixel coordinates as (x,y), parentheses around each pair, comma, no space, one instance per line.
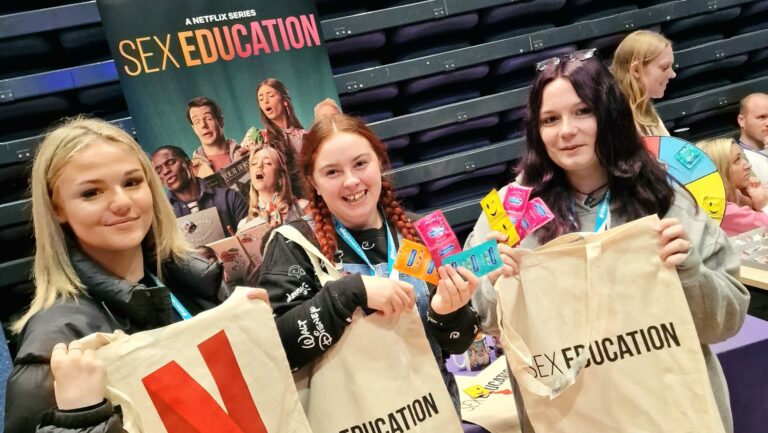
(599,337)
(380,376)
(223,370)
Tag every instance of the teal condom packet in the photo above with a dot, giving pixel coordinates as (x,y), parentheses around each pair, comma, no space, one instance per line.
(689,155)
(480,260)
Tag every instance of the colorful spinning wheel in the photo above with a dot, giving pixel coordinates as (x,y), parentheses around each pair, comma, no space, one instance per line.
(692,167)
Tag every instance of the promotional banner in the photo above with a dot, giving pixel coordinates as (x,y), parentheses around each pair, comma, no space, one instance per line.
(221,95)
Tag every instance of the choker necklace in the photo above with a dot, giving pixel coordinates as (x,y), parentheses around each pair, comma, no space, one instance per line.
(590,199)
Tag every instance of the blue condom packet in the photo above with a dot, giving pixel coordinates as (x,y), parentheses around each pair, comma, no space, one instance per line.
(689,155)
(479,260)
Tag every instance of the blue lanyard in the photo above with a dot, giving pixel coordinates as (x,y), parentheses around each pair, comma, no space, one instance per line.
(349,240)
(603,213)
(183,312)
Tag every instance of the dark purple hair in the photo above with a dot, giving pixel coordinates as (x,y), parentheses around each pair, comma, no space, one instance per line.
(639,185)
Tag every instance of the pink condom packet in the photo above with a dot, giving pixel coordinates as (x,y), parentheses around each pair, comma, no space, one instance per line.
(515,200)
(536,215)
(437,236)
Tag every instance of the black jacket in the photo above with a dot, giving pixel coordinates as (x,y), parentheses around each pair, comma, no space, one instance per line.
(303,307)
(111,303)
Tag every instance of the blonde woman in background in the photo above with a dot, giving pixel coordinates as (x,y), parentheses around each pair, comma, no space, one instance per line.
(271,200)
(643,65)
(745,197)
(108,256)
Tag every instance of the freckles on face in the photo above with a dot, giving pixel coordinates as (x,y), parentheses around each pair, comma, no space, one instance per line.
(347,175)
(103,196)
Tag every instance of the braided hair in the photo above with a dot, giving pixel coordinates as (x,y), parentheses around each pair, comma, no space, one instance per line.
(321,131)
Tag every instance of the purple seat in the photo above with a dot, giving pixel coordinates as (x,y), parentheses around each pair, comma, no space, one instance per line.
(430,29)
(717,65)
(519,10)
(456,145)
(356,44)
(397,142)
(694,85)
(729,113)
(448,181)
(340,66)
(505,32)
(375,116)
(602,12)
(514,81)
(471,73)
(396,162)
(753,8)
(442,132)
(690,41)
(428,102)
(110,95)
(514,131)
(513,115)
(528,61)
(436,47)
(753,23)
(476,189)
(408,191)
(376,94)
(696,22)
(35,113)
(754,70)
(85,43)
(605,43)
(27,54)
(758,55)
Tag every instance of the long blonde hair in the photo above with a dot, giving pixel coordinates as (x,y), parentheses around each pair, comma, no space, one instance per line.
(54,274)
(638,48)
(283,188)
(719,151)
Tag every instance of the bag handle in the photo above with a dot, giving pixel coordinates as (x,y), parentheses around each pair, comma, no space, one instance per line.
(519,355)
(330,273)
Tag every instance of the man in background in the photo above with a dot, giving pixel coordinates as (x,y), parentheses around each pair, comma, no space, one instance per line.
(189,194)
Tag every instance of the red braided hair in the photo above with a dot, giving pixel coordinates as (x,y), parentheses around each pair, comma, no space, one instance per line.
(323,129)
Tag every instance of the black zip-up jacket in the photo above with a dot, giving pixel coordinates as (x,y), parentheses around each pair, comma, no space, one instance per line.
(311,318)
(111,303)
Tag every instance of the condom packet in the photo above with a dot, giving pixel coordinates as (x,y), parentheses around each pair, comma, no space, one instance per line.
(515,201)
(414,259)
(506,226)
(479,260)
(438,236)
(492,207)
(497,216)
(536,215)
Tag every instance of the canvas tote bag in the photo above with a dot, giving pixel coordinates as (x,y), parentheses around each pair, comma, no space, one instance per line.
(223,370)
(600,338)
(380,376)
(494,410)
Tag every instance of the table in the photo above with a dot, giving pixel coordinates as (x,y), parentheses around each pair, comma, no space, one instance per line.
(754,277)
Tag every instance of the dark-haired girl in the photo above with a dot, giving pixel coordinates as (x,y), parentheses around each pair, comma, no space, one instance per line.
(584,155)
(283,130)
(358,225)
